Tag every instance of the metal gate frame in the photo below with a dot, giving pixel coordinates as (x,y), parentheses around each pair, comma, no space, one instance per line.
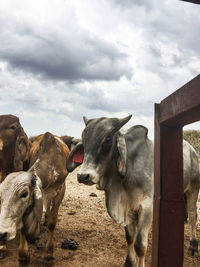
(192,1)
(177,110)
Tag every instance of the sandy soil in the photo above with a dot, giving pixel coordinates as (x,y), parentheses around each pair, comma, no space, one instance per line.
(101,241)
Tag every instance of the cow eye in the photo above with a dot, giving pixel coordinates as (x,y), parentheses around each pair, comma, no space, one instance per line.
(13,127)
(106,145)
(24,194)
(107,141)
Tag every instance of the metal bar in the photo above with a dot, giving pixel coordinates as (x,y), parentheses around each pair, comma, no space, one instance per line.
(183,106)
(171,242)
(192,1)
(168,221)
(156,206)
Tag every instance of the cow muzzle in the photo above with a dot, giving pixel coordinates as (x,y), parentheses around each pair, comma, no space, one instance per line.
(7,229)
(3,236)
(84,179)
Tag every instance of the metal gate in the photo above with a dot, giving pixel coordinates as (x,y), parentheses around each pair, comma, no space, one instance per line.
(177,110)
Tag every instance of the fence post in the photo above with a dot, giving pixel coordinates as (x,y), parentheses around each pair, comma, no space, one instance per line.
(168,220)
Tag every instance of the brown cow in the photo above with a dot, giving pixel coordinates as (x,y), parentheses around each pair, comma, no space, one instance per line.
(23,193)
(70,141)
(14,145)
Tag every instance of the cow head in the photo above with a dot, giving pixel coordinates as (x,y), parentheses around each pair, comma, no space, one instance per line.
(14,143)
(100,145)
(9,125)
(70,141)
(21,205)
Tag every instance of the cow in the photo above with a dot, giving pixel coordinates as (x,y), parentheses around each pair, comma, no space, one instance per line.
(121,164)
(23,195)
(191,191)
(14,146)
(70,141)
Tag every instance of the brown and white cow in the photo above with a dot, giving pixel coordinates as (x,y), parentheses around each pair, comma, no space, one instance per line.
(23,194)
(14,145)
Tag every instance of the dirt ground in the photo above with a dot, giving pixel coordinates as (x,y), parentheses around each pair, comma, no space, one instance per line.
(101,241)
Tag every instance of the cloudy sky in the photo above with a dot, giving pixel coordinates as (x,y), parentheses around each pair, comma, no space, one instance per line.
(61,60)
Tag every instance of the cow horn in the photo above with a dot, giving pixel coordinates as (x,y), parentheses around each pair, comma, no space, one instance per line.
(85,120)
(124,120)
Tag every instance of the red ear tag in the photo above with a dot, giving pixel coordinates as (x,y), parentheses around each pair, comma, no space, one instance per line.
(78,156)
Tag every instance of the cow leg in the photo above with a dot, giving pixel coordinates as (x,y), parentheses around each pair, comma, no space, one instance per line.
(141,239)
(185,209)
(3,249)
(47,211)
(51,221)
(192,214)
(131,259)
(23,253)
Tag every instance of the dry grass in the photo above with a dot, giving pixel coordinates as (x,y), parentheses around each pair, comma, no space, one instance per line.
(193,137)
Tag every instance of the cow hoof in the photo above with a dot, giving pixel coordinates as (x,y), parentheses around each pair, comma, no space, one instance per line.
(49,254)
(49,258)
(24,259)
(193,248)
(40,246)
(128,262)
(2,254)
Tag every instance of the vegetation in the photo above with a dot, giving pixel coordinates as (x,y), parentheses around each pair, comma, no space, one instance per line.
(193,137)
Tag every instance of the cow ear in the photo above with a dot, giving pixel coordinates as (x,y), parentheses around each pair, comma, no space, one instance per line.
(120,156)
(18,163)
(33,214)
(123,121)
(75,158)
(22,150)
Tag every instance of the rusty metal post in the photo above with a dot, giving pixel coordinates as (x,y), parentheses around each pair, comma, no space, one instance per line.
(168,220)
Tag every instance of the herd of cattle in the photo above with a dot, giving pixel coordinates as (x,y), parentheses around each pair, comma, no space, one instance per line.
(33,173)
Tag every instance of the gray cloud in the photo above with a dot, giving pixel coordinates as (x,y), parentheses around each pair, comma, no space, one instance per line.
(170,35)
(130,3)
(69,54)
(63,66)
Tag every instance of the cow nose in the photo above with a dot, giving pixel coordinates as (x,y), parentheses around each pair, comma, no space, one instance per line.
(83,178)
(3,236)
